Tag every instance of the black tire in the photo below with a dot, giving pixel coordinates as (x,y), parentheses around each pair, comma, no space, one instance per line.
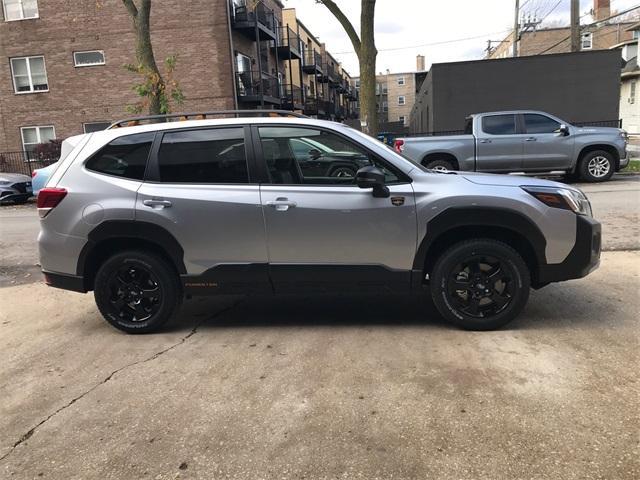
(592,166)
(438,164)
(505,284)
(121,296)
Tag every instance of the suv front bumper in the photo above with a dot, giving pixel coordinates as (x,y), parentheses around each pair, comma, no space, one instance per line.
(583,258)
(624,162)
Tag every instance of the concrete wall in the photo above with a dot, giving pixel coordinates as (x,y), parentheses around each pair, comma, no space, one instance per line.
(580,87)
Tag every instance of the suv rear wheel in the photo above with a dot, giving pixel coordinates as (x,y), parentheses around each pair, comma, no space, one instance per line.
(137,292)
(480,284)
(596,166)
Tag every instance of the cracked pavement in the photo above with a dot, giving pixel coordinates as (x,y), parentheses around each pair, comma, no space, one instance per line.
(328,387)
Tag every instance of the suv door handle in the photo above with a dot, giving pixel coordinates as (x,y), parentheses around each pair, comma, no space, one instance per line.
(157,204)
(281,204)
(530,139)
(485,140)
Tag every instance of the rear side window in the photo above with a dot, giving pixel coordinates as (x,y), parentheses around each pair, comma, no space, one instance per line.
(123,157)
(203,156)
(499,124)
(535,123)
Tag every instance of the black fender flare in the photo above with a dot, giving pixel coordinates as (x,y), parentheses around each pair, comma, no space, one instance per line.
(481,217)
(132,229)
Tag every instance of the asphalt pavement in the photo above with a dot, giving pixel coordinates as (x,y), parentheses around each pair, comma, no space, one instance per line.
(326,387)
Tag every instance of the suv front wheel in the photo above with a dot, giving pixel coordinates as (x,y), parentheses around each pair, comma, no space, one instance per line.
(137,292)
(480,284)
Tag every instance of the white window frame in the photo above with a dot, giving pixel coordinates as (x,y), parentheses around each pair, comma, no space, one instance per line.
(28,63)
(38,136)
(401,81)
(586,37)
(81,65)
(84,125)
(403,119)
(402,100)
(4,13)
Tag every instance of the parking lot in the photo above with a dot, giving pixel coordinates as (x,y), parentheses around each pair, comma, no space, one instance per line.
(325,387)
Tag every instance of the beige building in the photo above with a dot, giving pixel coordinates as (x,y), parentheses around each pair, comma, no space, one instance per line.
(599,36)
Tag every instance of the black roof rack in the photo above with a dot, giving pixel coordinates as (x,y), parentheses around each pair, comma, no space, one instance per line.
(178,117)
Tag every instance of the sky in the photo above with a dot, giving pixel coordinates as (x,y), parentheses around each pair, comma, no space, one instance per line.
(441,30)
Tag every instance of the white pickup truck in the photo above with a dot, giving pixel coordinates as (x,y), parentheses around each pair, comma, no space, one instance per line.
(523,141)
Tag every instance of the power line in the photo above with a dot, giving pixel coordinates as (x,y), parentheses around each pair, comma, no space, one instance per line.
(443,42)
(590,25)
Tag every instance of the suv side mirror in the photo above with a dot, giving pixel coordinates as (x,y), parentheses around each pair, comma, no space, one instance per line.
(563,130)
(372,177)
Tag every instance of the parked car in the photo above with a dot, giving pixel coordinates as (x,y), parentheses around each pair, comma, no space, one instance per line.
(15,188)
(40,177)
(523,141)
(149,214)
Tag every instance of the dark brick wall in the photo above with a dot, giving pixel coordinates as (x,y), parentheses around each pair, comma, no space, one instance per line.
(195,30)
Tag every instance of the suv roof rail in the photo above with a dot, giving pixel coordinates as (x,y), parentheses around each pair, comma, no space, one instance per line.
(173,117)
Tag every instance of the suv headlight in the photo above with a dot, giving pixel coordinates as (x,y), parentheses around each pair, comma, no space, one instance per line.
(565,198)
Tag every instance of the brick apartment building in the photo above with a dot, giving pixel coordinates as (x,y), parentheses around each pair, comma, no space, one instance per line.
(601,35)
(61,63)
(395,96)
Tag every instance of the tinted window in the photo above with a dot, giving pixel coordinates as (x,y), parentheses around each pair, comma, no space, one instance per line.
(499,124)
(315,157)
(123,157)
(203,156)
(535,123)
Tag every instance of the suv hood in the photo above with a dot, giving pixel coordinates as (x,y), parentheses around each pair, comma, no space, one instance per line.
(604,130)
(503,180)
(14,178)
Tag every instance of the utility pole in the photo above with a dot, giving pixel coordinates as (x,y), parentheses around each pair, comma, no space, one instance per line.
(516,27)
(575,25)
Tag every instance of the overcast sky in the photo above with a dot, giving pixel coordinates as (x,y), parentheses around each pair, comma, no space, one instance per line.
(441,30)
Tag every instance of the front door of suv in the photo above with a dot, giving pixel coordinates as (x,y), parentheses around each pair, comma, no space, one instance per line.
(198,188)
(323,232)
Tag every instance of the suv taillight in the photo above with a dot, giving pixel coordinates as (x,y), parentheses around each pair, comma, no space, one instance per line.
(399,146)
(33,174)
(49,198)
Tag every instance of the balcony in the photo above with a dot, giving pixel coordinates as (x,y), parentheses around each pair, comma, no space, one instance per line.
(292,98)
(257,88)
(313,106)
(287,47)
(312,63)
(328,75)
(258,23)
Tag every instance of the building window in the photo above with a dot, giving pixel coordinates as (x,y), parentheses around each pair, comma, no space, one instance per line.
(385,106)
(587,41)
(88,58)
(636,34)
(20,9)
(632,92)
(357,84)
(91,127)
(402,119)
(29,75)
(32,136)
(401,100)
(400,80)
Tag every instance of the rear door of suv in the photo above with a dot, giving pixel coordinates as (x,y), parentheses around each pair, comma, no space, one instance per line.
(198,186)
(323,232)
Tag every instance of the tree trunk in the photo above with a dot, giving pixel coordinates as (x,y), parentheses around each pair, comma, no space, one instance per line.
(367,58)
(144,51)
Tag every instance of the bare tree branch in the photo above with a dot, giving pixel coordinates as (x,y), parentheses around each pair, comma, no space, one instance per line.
(344,21)
(133,10)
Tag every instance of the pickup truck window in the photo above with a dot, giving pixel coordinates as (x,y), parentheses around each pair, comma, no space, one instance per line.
(535,123)
(499,124)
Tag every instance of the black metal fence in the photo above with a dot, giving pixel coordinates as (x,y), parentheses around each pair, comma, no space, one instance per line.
(23,162)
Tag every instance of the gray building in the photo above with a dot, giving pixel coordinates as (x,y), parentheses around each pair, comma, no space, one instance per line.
(579,87)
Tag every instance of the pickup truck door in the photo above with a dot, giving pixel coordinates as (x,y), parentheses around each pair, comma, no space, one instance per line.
(499,144)
(544,147)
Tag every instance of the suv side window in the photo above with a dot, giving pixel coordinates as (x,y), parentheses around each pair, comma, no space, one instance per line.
(123,157)
(214,155)
(499,124)
(308,156)
(535,123)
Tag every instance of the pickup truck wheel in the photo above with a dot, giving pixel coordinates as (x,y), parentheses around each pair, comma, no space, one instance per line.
(480,284)
(597,166)
(438,165)
(137,292)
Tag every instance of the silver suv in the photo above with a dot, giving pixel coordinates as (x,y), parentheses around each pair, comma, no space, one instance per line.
(146,215)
